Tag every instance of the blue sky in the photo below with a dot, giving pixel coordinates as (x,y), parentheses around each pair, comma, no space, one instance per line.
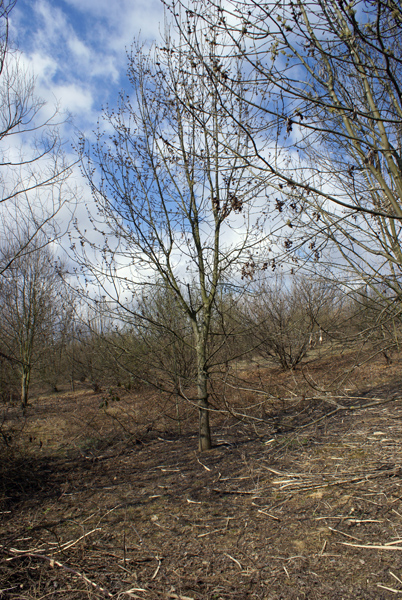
(77,49)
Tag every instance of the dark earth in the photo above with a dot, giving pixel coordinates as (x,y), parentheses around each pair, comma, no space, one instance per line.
(105,499)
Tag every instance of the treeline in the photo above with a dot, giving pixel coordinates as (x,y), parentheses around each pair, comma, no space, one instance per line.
(53,338)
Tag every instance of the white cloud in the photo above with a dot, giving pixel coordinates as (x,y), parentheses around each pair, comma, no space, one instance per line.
(74,98)
(119,24)
(77,49)
(43,66)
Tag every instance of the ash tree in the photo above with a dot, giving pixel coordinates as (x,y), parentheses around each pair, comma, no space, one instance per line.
(176,205)
(326,77)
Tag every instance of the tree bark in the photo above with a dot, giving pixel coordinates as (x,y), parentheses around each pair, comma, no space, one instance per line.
(25,379)
(204,435)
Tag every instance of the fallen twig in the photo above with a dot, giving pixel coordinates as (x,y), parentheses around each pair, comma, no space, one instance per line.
(56,563)
(211,532)
(352,537)
(67,545)
(234,560)
(377,402)
(268,515)
(371,547)
(157,568)
(205,467)
(384,587)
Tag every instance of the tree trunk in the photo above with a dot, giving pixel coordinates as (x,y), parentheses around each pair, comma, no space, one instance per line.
(25,379)
(204,436)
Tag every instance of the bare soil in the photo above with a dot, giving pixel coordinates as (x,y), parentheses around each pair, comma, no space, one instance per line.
(302,501)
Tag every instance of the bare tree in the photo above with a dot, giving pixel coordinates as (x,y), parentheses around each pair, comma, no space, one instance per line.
(28,292)
(176,207)
(288,318)
(57,338)
(33,168)
(167,337)
(6,7)
(325,78)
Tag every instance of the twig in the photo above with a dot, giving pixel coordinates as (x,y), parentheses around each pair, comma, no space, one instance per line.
(340,407)
(345,534)
(157,568)
(205,467)
(365,521)
(211,532)
(370,547)
(268,515)
(282,473)
(384,587)
(52,562)
(234,560)
(67,545)
(9,589)
(245,492)
(360,479)
(132,594)
(35,551)
(392,543)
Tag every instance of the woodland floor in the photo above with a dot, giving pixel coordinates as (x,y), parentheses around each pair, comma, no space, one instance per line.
(113,503)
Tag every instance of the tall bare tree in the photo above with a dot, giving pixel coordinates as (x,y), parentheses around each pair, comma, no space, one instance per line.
(176,207)
(325,78)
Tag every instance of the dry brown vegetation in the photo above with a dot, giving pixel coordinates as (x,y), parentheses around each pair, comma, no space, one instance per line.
(103,498)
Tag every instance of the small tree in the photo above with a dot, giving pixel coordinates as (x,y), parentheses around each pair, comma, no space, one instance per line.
(28,290)
(373,323)
(176,207)
(57,339)
(288,318)
(167,337)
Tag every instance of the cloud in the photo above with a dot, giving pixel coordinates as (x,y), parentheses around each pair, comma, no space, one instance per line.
(77,49)
(43,66)
(77,52)
(74,98)
(120,24)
